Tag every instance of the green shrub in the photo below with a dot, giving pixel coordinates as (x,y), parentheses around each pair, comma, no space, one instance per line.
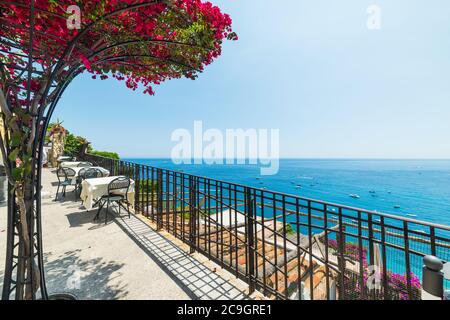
(73,144)
(106,154)
(151,187)
(289,229)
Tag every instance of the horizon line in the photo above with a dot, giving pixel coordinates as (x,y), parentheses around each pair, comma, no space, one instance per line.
(293,158)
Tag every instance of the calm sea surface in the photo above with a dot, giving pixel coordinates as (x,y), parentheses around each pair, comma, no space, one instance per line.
(401,187)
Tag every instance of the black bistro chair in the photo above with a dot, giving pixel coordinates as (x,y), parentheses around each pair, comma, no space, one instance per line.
(92,173)
(117,192)
(66,177)
(87,173)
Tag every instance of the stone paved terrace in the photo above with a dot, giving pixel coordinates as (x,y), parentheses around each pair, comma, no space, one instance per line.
(124,259)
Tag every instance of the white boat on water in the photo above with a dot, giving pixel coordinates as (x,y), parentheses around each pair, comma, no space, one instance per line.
(354,196)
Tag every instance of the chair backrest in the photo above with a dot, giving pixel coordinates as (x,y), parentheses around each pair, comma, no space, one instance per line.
(81,172)
(84,164)
(61,174)
(119,185)
(70,173)
(65,173)
(90,173)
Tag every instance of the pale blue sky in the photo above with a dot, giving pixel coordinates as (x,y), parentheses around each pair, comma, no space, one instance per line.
(309,68)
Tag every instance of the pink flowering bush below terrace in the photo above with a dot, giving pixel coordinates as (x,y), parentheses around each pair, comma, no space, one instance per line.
(397,283)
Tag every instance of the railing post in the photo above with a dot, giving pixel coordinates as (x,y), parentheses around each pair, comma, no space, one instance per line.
(373,292)
(250,220)
(137,187)
(340,239)
(432,278)
(159,200)
(192,213)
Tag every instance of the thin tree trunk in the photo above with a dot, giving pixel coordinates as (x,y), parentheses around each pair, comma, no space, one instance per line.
(28,270)
(28,273)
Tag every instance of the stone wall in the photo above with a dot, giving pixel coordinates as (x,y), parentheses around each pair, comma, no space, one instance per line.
(58,139)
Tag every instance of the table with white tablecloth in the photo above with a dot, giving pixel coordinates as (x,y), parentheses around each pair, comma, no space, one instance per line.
(64,158)
(93,189)
(78,169)
(71,164)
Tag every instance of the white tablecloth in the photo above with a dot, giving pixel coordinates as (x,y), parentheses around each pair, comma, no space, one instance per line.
(71,164)
(45,155)
(78,169)
(93,189)
(64,158)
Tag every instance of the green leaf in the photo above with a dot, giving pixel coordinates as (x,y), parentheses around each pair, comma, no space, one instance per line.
(27,168)
(26,157)
(17,173)
(15,139)
(13,155)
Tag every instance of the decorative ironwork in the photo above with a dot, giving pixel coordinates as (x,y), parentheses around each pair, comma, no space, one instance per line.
(286,246)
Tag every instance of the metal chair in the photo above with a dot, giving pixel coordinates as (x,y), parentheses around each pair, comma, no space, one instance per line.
(84,164)
(66,177)
(117,192)
(87,173)
(92,173)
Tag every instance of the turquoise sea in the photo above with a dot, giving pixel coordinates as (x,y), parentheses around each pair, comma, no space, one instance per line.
(417,189)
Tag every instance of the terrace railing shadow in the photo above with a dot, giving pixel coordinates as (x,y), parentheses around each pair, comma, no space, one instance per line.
(190,274)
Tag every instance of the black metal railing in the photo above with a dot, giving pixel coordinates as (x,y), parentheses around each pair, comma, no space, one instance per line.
(285,246)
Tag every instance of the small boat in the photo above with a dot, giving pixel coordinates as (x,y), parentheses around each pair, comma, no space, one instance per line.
(411,215)
(372,191)
(298,186)
(354,196)
(397,206)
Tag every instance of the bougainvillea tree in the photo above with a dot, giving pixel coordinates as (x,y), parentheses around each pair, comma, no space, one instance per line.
(44,45)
